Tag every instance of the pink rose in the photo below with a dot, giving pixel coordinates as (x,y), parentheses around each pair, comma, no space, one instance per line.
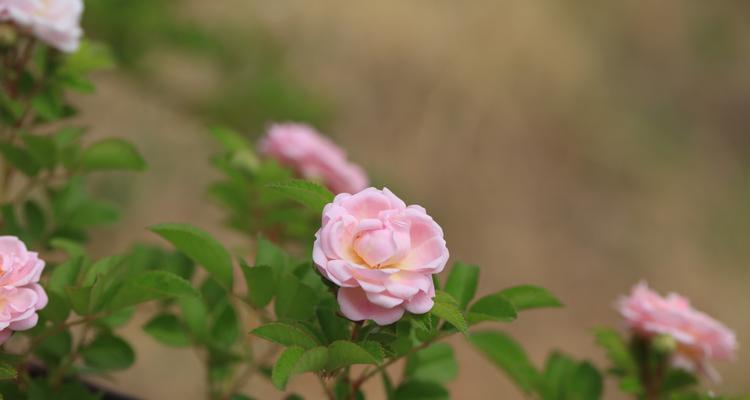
(55,22)
(20,294)
(313,156)
(381,253)
(699,337)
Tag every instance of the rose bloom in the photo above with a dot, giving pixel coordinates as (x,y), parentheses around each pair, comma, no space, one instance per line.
(699,337)
(381,253)
(55,22)
(313,156)
(20,294)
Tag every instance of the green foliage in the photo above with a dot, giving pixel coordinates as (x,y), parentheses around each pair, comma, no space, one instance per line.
(342,353)
(201,247)
(309,194)
(507,355)
(108,352)
(435,364)
(417,390)
(111,154)
(528,297)
(296,360)
(167,329)
(462,283)
(286,334)
(447,308)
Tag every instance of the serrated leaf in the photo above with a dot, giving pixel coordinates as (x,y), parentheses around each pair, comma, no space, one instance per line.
(334,327)
(493,307)
(446,308)
(309,194)
(507,355)
(111,154)
(294,299)
(150,285)
(167,329)
(526,297)
(261,284)
(296,360)
(282,370)
(343,354)
(462,283)
(285,334)
(201,248)
(435,363)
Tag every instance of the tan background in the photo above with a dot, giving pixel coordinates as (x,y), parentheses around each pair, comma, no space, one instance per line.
(573,145)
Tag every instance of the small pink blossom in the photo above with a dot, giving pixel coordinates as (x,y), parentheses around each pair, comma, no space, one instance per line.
(313,156)
(20,294)
(55,22)
(381,253)
(699,337)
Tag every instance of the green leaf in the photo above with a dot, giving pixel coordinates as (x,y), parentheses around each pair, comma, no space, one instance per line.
(201,248)
(57,308)
(677,379)
(64,275)
(41,148)
(225,329)
(48,105)
(462,283)
(282,370)
(494,307)
(229,139)
(309,194)
(285,334)
(435,363)
(446,308)
(195,315)
(294,299)
(557,373)
(20,158)
(53,348)
(417,390)
(150,285)
(261,284)
(167,329)
(617,350)
(89,57)
(526,297)
(35,219)
(7,371)
(108,352)
(343,354)
(507,355)
(296,360)
(271,255)
(334,327)
(585,384)
(112,154)
(79,299)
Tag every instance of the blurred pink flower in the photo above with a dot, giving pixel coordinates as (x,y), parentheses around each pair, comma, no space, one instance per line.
(20,294)
(699,337)
(55,22)
(313,156)
(381,253)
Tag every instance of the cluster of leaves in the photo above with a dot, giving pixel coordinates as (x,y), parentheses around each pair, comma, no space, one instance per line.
(251,207)
(39,156)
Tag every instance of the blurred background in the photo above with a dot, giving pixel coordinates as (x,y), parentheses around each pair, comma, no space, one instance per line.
(578,145)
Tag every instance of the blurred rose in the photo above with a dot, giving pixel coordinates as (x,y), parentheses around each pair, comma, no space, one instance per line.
(55,22)
(699,337)
(313,156)
(20,294)
(381,253)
